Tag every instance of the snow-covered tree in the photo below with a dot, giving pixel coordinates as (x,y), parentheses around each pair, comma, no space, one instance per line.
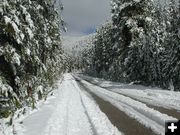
(135,24)
(171,68)
(30,51)
(103,49)
(141,44)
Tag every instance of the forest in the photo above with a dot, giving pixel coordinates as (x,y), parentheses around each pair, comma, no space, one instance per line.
(140,44)
(31,56)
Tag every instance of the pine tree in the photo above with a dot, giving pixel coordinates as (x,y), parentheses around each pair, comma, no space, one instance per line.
(30,51)
(103,50)
(171,68)
(134,21)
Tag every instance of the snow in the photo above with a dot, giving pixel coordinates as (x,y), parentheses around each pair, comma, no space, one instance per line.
(30,33)
(15,27)
(49,41)
(40,88)
(5,89)
(149,19)
(44,68)
(135,109)
(39,7)
(22,36)
(37,59)
(17,80)
(168,99)
(28,16)
(99,119)
(16,59)
(33,121)
(154,96)
(1,51)
(28,52)
(29,20)
(137,0)
(125,5)
(16,19)
(7,19)
(77,43)
(70,111)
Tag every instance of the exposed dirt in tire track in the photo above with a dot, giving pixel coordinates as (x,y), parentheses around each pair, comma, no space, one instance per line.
(122,121)
(170,112)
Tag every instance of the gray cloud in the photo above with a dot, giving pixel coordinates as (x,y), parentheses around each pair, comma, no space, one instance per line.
(83,14)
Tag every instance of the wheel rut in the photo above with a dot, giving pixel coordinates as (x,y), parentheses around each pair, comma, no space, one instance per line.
(118,118)
(171,112)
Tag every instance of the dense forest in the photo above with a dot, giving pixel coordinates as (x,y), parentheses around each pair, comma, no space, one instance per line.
(141,44)
(30,52)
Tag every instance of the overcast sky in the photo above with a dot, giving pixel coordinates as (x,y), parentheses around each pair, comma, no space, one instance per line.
(83,16)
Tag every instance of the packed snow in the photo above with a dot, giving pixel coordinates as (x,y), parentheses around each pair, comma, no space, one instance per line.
(141,112)
(70,111)
(154,96)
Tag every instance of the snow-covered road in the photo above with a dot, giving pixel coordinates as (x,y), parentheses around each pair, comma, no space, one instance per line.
(72,113)
(154,96)
(73,110)
(149,117)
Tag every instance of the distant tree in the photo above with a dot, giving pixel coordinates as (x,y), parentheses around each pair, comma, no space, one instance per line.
(103,49)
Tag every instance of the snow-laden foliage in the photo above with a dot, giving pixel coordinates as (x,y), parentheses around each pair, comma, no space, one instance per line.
(171,63)
(104,51)
(142,45)
(30,52)
(75,49)
(134,27)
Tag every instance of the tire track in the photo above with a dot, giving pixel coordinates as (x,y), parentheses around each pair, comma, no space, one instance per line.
(94,131)
(118,118)
(171,112)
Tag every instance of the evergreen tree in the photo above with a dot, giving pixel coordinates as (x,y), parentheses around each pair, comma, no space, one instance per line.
(142,45)
(134,23)
(103,50)
(171,68)
(30,52)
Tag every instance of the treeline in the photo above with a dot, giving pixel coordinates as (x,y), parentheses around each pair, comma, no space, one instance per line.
(30,52)
(76,54)
(140,44)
